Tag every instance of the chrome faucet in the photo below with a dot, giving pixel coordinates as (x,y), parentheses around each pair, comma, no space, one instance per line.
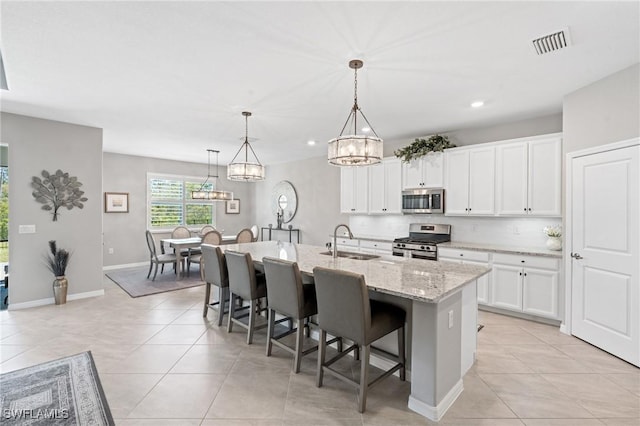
(335,237)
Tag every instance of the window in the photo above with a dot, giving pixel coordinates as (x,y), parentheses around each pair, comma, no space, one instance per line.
(170,203)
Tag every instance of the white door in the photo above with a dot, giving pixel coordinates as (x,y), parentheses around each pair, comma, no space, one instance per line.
(540,292)
(545,177)
(392,182)
(377,188)
(511,185)
(605,286)
(347,186)
(457,182)
(506,287)
(412,174)
(361,190)
(433,170)
(482,173)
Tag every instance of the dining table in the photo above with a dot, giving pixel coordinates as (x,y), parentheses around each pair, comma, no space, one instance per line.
(181,244)
(440,299)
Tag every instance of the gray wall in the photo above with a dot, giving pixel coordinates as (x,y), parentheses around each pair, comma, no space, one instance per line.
(36,145)
(317,185)
(604,112)
(124,232)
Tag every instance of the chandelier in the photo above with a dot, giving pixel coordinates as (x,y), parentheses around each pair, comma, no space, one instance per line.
(211,194)
(245,170)
(355,149)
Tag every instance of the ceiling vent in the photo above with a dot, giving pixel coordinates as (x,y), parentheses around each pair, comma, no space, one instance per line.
(552,42)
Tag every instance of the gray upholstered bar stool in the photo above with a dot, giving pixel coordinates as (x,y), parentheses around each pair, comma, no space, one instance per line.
(214,265)
(344,310)
(246,284)
(288,296)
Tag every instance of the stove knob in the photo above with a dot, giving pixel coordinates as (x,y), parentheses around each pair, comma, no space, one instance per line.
(422,248)
(402,245)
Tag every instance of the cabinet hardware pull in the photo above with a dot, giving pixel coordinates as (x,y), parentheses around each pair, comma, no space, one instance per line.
(529,208)
(520,273)
(525,209)
(525,274)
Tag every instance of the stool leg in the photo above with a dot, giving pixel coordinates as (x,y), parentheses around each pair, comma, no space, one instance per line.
(401,354)
(270,326)
(221,299)
(322,348)
(364,378)
(299,335)
(356,353)
(231,311)
(207,295)
(252,320)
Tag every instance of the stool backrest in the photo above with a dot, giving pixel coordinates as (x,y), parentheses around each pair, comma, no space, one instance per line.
(343,303)
(212,237)
(242,274)
(151,243)
(180,232)
(244,236)
(215,266)
(284,287)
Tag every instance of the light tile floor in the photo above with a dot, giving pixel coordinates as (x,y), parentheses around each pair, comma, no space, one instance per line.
(161,363)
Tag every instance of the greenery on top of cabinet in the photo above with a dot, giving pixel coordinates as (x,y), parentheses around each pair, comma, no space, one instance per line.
(421,147)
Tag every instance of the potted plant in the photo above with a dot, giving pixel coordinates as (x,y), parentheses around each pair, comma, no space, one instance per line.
(57,262)
(554,234)
(421,147)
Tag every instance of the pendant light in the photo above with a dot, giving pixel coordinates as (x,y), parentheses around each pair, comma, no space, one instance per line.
(247,171)
(355,149)
(213,194)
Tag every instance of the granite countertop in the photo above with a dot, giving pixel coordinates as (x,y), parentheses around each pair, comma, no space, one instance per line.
(496,248)
(417,279)
(367,238)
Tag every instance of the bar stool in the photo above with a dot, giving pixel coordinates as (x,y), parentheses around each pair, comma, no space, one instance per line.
(288,296)
(214,266)
(245,284)
(344,310)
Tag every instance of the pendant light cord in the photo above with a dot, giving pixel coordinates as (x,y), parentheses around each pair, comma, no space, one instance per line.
(353,115)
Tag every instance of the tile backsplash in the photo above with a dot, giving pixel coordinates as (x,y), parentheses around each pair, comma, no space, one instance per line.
(508,231)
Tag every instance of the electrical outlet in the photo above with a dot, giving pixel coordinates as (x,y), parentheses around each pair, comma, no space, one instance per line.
(110,250)
(450,319)
(516,230)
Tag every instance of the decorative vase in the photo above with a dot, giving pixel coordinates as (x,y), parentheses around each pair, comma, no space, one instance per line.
(554,243)
(60,290)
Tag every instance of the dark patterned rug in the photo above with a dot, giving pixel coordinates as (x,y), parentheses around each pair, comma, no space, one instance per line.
(66,391)
(134,280)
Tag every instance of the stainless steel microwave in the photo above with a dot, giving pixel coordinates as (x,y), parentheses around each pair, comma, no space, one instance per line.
(423,200)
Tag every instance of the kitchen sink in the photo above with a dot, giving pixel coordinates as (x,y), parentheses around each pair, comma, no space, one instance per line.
(350,255)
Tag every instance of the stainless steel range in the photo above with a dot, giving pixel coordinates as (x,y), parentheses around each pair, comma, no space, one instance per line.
(422,241)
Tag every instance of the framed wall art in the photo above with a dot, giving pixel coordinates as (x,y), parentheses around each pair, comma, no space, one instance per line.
(116,202)
(232,207)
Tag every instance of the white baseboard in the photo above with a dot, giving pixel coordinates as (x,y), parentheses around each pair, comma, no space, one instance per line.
(437,412)
(125,265)
(51,300)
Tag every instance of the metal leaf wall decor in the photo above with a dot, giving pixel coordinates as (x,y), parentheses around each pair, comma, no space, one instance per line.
(57,190)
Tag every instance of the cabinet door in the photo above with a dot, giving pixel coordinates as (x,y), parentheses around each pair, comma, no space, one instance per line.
(540,292)
(377,188)
(482,181)
(347,186)
(393,185)
(457,182)
(511,184)
(412,174)
(506,287)
(433,170)
(545,159)
(483,282)
(361,190)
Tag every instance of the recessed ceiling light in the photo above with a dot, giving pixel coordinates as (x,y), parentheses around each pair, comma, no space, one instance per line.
(477,104)
(311,143)
(365,129)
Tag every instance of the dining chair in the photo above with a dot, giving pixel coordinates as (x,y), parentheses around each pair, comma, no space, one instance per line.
(254,231)
(214,266)
(206,228)
(344,310)
(246,284)
(211,237)
(155,258)
(288,296)
(244,236)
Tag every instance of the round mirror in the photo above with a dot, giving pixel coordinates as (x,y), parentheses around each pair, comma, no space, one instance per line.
(284,201)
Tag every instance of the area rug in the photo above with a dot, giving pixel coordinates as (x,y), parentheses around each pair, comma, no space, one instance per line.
(134,280)
(66,391)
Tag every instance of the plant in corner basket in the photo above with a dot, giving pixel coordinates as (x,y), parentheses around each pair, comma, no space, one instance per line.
(421,147)
(57,263)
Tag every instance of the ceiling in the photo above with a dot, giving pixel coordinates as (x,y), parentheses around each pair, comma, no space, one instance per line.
(170,79)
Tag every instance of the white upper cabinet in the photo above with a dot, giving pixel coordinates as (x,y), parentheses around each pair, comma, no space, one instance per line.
(385,195)
(354,183)
(425,172)
(470,181)
(529,177)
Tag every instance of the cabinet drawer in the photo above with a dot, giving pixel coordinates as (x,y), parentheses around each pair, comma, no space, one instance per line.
(347,242)
(376,245)
(478,256)
(526,261)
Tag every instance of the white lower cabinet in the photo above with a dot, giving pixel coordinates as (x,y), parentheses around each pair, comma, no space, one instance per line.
(527,284)
(471,258)
(376,247)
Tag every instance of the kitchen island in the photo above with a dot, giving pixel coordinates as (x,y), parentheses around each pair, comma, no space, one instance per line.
(443,313)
